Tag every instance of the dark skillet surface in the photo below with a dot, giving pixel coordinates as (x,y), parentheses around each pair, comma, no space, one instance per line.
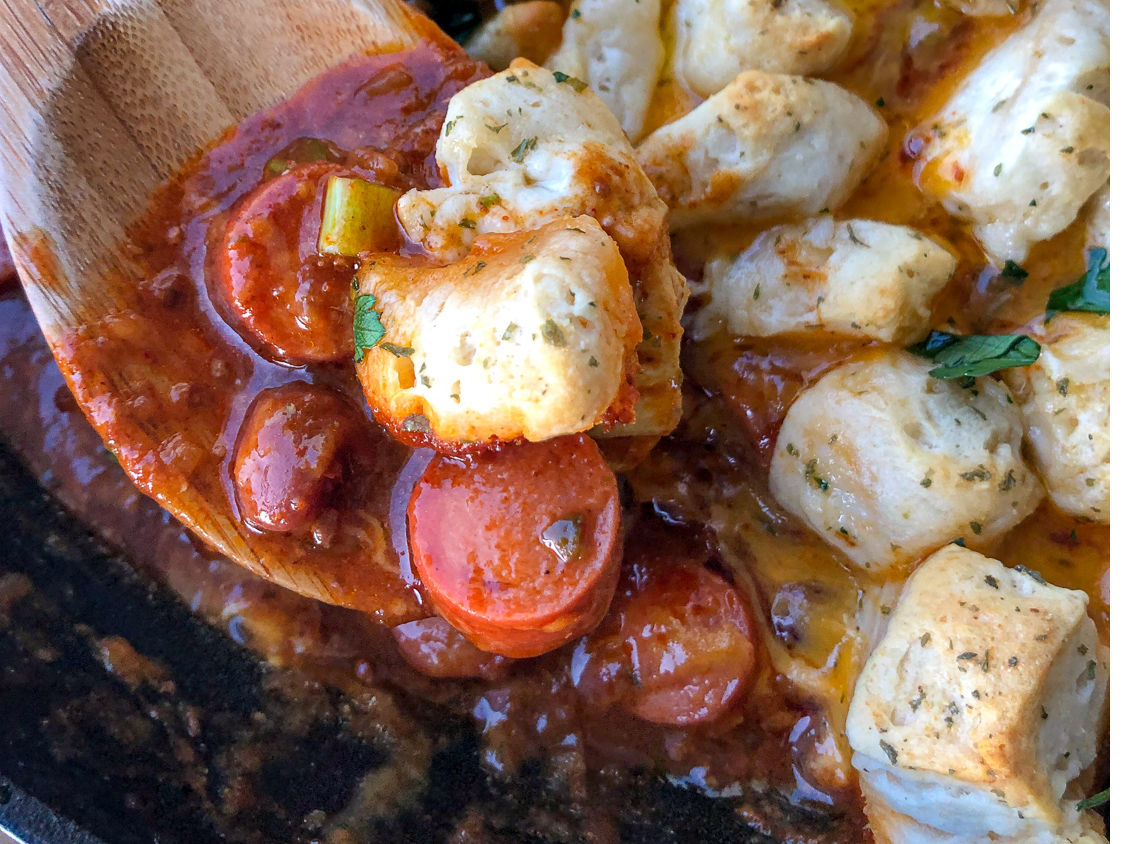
(208,743)
(85,757)
(155,761)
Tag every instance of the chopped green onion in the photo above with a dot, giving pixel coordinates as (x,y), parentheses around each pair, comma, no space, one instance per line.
(1089,294)
(974,355)
(303,151)
(359,216)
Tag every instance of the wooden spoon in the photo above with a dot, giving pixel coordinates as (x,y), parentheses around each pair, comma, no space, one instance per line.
(100,102)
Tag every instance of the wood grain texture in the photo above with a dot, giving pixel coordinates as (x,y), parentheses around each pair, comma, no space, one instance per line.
(100,102)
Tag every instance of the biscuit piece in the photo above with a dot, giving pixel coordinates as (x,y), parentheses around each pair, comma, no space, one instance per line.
(718,39)
(533,335)
(1064,397)
(766,145)
(523,148)
(854,277)
(887,463)
(1024,141)
(615,46)
(891,827)
(981,703)
(532,30)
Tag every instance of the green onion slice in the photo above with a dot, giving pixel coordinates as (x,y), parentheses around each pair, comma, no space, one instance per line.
(303,151)
(359,216)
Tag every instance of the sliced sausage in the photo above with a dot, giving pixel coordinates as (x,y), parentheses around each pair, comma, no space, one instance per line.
(689,642)
(519,548)
(291,455)
(285,297)
(435,648)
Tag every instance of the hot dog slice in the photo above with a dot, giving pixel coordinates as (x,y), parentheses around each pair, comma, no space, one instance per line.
(689,641)
(519,548)
(433,647)
(291,454)
(285,297)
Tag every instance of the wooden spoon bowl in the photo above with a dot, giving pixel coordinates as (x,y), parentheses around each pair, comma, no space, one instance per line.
(100,103)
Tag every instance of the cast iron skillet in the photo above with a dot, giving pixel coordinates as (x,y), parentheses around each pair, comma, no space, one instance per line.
(210,750)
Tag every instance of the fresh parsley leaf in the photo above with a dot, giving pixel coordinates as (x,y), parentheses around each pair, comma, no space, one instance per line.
(1094,800)
(973,355)
(1089,294)
(367,329)
(889,749)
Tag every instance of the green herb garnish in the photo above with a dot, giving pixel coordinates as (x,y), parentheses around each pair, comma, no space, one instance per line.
(397,351)
(1032,573)
(1090,294)
(523,148)
(1094,800)
(575,83)
(1013,272)
(553,334)
(367,329)
(973,355)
